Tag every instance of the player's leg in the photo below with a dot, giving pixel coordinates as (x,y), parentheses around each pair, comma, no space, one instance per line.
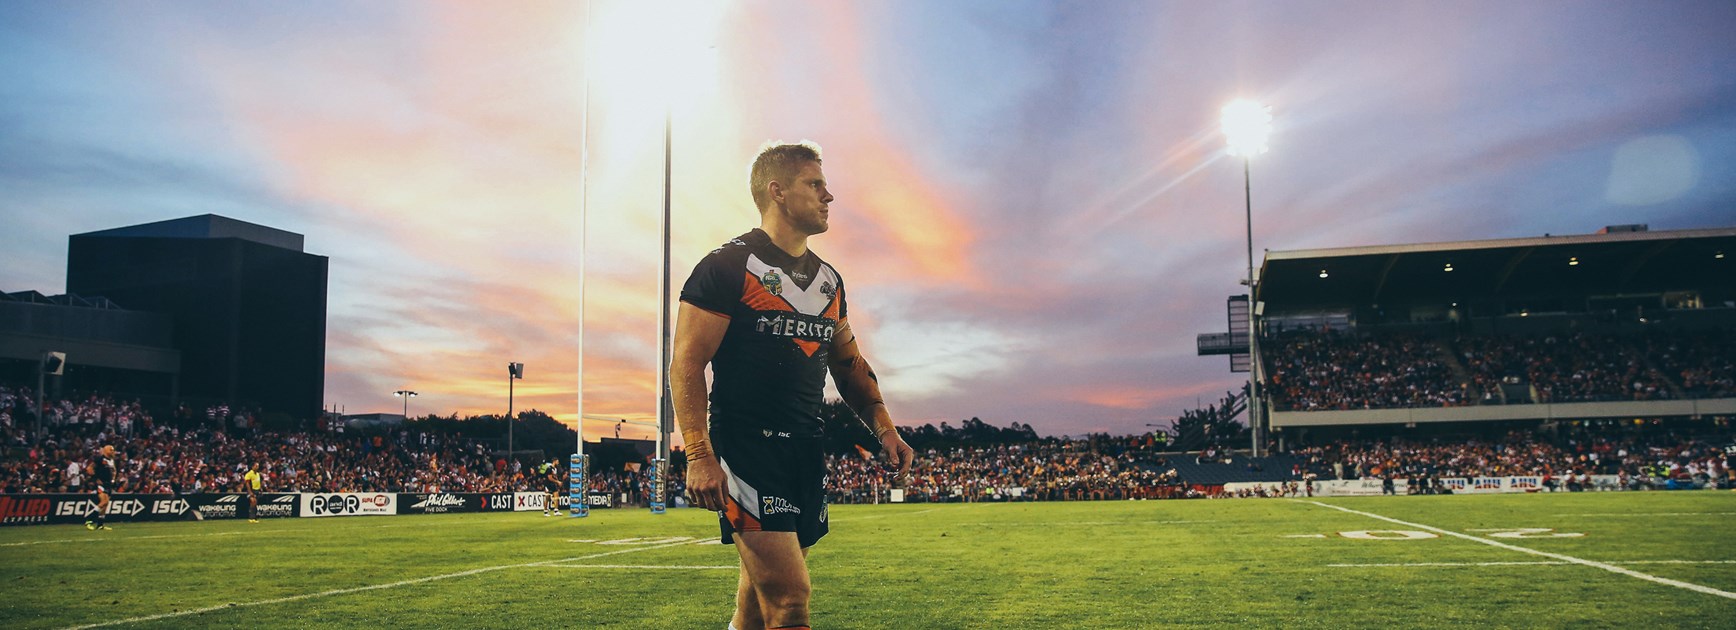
(777,567)
(102,506)
(252,507)
(747,610)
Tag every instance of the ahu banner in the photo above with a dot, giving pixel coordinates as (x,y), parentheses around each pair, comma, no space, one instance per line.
(348,504)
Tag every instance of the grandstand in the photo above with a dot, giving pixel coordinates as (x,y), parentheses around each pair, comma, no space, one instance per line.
(1626,323)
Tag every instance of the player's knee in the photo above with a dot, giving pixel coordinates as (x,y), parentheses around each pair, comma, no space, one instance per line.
(783,598)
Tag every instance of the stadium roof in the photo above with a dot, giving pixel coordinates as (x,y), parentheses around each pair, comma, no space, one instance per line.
(1617,263)
(206,226)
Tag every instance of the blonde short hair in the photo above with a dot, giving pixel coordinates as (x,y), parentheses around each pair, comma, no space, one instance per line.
(778,161)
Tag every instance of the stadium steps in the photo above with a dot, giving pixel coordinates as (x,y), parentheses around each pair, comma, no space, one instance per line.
(1676,392)
(1448,353)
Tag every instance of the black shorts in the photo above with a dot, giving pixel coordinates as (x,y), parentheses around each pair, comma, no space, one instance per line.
(552,487)
(776,484)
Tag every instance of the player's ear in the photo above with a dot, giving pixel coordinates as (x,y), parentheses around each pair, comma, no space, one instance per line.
(775,190)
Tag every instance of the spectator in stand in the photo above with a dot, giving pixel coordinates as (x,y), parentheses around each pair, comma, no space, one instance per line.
(1319,372)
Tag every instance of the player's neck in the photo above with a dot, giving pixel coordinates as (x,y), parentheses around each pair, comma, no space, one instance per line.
(793,241)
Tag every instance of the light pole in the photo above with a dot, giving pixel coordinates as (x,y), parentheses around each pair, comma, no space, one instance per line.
(406,395)
(1246,125)
(514,371)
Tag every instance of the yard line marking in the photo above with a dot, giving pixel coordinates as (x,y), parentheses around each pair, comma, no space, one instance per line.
(875,516)
(375,587)
(646,566)
(1654,514)
(1599,565)
(1675,562)
(119,538)
(1307,536)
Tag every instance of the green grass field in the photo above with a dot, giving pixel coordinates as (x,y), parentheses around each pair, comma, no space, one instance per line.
(1239,563)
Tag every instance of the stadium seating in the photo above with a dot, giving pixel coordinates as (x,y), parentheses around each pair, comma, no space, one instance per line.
(1318,371)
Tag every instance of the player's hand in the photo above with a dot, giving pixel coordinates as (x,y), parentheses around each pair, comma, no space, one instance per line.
(706,485)
(897,452)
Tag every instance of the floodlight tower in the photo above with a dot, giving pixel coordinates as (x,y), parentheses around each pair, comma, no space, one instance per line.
(406,395)
(1246,125)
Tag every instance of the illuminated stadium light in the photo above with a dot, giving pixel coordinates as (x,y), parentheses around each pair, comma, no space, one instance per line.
(1246,126)
(1323,273)
(1573,261)
(406,395)
(1719,255)
(1449,268)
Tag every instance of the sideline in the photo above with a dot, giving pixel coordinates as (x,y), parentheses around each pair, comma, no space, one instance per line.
(358,589)
(1562,557)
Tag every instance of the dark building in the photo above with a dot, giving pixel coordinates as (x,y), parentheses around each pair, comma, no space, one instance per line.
(248,305)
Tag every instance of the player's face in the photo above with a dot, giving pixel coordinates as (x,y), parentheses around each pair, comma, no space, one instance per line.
(806,200)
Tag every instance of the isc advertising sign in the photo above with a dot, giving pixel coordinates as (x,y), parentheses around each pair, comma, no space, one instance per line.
(35,509)
(348,504)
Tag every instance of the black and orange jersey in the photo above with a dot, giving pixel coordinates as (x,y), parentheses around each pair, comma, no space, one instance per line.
(769,374)
(105,472)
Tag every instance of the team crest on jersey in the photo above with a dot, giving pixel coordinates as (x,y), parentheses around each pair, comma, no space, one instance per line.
(828,290)
(773,282)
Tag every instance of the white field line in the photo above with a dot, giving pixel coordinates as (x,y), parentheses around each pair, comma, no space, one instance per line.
(1512,564)
(875,516)
(374,587)
(1563,557)
(646,566)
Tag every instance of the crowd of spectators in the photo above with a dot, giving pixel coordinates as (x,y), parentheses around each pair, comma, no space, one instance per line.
(1338,371)
(1643,454)
(1094,468)
(1566,367)
(210,451)
(168,459)
(1703,363)
(1323,371)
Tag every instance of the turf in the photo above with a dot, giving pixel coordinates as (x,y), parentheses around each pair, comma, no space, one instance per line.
(1238,563)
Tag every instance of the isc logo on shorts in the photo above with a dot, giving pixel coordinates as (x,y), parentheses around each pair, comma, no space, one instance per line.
(776,505)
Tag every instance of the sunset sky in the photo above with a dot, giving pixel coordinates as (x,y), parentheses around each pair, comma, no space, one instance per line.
(1035,213)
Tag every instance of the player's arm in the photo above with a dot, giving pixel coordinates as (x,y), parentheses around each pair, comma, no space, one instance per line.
(860,387)
(698,333)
